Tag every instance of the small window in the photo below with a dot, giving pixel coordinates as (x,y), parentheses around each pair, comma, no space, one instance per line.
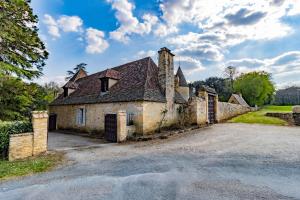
(130,119)
(81,116)
(104,84)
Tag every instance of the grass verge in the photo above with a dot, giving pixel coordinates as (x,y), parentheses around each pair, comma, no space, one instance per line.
(259,117)
(29,166)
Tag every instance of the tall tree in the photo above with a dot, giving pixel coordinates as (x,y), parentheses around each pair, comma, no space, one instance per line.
(230,73)
(257,88)
(22,53)
(78,67)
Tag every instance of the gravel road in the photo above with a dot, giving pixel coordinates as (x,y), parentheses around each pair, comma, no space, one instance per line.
(225,161)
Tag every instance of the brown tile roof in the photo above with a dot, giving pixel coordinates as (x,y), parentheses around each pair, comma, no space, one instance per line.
(138,81)
(110,73)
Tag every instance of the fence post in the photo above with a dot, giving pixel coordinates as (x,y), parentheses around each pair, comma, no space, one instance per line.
(122,126)
(40,131)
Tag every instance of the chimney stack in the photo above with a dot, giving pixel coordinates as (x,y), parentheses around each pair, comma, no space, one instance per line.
(166,75)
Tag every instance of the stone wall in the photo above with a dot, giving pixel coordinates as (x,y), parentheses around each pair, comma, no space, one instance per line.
(29,144)
(20,146)
(284,116)
(229,110)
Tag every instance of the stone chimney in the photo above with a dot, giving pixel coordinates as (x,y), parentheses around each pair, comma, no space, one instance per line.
(166,75)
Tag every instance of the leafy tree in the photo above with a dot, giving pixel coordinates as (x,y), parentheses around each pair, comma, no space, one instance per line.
(221,85)
(18,98)
(15,101)
(256,87)
(78,67)
(22,53)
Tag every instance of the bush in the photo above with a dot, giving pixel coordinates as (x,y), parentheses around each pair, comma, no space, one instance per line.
(8,128)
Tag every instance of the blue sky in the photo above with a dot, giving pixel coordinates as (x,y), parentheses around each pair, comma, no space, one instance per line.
(206,36)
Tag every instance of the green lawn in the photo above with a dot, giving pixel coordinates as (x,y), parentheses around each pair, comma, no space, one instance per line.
(260,118)
(28,166)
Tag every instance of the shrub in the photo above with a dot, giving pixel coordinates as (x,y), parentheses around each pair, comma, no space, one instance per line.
(8,128)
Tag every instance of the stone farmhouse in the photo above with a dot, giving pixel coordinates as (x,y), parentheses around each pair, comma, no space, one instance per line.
(135,97)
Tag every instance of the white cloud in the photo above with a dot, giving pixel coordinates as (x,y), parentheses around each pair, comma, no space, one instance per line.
(190,65)
(129,24)
(149,53)
(63,23)
(285,67)
(96,41)
(52,26)
(70,23)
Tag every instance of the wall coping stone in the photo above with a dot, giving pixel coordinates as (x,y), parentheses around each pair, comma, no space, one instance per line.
(21,134)
(296,109)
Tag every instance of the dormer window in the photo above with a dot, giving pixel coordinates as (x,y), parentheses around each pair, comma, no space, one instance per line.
(108,78)
(65,92)
(69,88)
(104,84)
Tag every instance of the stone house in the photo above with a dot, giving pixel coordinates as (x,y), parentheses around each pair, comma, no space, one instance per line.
(145,91)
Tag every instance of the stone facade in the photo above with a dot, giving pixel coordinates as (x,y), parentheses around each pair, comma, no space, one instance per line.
(229,110)
(148,112)
(29,144)
(95,115)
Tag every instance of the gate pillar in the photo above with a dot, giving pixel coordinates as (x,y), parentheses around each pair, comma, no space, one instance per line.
(122,126)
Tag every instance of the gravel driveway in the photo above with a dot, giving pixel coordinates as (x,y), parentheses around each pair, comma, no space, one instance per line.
(226,161)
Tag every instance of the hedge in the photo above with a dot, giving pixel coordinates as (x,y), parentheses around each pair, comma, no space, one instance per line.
(8,128)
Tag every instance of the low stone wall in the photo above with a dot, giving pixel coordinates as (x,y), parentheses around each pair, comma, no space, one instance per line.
(20,146)
(29,144)
(229,110)
(284,116)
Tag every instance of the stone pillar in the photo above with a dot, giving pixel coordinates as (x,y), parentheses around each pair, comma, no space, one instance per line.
(204,95)
(40,131)
(296,115)
(122,126)
(217,108)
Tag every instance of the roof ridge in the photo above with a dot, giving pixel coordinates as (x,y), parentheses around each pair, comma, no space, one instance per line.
(114,67)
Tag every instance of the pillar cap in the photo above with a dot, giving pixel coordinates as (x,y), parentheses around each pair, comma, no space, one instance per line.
(39,114)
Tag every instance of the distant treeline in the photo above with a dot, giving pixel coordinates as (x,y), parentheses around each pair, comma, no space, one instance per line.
(288,96)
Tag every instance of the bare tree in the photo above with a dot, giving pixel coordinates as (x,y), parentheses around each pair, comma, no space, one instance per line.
(231,72)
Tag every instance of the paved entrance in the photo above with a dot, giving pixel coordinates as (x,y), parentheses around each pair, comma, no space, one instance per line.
(226,161)
(61,141)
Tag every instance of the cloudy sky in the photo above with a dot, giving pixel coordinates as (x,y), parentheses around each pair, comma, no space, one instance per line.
(205,35)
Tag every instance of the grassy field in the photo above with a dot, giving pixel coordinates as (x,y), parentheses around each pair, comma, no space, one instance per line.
(28,166)
(260,118)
